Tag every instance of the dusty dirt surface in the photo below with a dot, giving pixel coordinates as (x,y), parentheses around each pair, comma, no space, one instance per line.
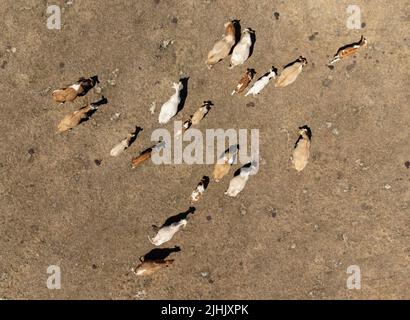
(288,235)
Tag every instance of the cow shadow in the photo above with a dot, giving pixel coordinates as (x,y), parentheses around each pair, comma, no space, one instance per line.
(308,133)
(253,40)
(96,104)
(179,217)
(136,132)
(159,254)
(184,93)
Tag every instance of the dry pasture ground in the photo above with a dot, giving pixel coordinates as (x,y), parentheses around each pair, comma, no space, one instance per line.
(288,235)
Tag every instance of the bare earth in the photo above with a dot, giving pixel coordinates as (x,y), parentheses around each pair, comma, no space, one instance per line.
(288,235)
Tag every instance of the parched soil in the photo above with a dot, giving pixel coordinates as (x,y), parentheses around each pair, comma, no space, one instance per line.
(64,201)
